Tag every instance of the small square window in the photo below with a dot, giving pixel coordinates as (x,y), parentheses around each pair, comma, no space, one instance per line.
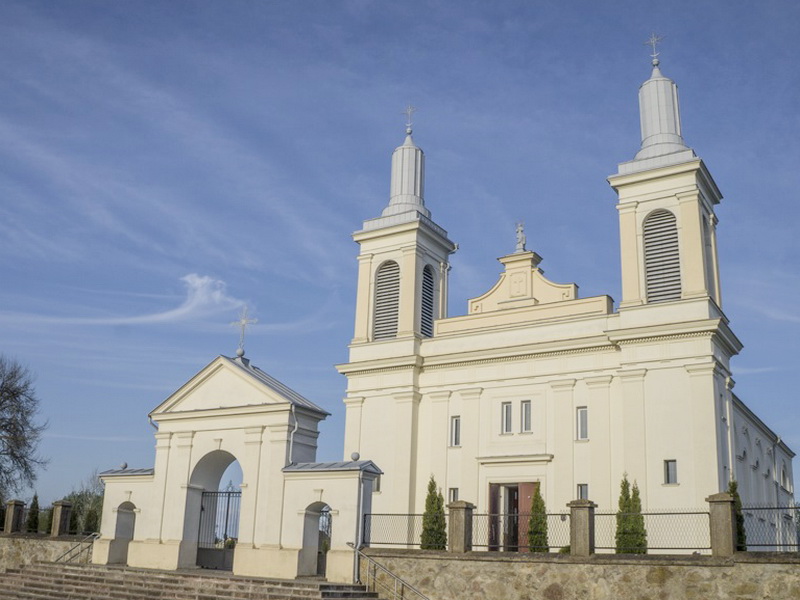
(505,417)
(583,491)
(582,423)
(670,471)
(455,431)
(452,495)
(525,416)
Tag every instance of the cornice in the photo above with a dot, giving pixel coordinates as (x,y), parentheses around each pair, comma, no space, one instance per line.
(515,459)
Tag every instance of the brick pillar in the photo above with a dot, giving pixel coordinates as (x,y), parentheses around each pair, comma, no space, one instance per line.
(459,535)
(723,524)
(59,523)
(581,527)
(14,510)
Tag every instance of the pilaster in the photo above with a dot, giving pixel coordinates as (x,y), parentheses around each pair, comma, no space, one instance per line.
(471,416)
(634,429)
(406,406)
(564,416)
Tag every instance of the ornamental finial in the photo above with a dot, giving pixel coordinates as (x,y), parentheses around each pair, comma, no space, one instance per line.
(653,42)
(410,110)
(242,323)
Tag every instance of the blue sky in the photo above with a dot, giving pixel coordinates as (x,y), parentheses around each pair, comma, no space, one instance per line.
(162,163)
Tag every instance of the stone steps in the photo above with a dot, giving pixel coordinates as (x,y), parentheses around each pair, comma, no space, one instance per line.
(51,581)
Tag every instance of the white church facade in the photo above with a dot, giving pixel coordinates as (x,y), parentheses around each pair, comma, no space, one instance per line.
(533,386)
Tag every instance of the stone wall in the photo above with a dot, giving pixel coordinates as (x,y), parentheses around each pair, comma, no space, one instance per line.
(506,576)
(17,550)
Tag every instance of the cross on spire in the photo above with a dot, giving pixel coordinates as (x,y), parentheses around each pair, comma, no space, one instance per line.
(653,42)
(242,323)
(410,110)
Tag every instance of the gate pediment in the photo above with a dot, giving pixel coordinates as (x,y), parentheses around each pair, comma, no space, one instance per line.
(227,383)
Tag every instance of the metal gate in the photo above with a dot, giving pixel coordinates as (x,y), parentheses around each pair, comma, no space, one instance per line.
(219,529)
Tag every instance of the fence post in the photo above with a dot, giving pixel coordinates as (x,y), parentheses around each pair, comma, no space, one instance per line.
(59,522)
(581,527)
(14,512)
(459,535)
(722,520)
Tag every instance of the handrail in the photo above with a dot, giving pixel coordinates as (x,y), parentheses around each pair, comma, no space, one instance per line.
(397,588)
(71,555)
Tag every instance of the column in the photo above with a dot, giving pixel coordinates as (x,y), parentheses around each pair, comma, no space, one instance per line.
(363,299)
(722,519)
(14,512)
(459,528)
(581,527)
(59,521)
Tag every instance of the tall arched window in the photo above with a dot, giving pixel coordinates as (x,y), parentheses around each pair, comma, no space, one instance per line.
(387,301)
(662,265)
(426,320)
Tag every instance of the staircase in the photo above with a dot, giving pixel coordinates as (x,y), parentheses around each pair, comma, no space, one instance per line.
(52,581)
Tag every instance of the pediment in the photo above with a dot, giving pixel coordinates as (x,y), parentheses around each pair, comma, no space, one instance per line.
(227,383)
(522,284)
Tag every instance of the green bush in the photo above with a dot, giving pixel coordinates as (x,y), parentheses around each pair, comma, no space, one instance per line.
(741,534)
(631,535)
(434,525)
(537,524)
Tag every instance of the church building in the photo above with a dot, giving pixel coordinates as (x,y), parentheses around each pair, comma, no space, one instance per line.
(534,387)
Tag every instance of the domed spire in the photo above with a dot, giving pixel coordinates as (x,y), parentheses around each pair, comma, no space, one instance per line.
(408,176)
(659,112)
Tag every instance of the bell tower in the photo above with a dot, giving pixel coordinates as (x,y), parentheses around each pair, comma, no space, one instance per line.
(666,208)
(403,259)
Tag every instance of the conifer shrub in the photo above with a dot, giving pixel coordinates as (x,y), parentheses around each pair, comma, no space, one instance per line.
(32,524)
(631,535)
(741,534)
(434,525)
(537,524)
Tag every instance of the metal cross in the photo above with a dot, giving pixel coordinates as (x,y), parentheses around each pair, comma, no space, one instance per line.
(243,322)
(654,41)
(410,110)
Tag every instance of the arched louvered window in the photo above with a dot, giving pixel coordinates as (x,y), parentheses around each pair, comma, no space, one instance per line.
(426,320)
(662,267)
(387,301)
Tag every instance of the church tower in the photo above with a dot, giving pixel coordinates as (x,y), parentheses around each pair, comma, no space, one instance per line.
(403,262)
(666,208)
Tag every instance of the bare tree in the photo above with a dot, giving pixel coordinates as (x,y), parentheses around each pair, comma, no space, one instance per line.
(19,433)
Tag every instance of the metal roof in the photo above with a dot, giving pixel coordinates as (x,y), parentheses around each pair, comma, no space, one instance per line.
(117,472)
(351,465)
(276,386)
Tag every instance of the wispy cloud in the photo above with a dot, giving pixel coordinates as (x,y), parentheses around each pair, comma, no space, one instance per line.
(755,370)
(205,296)
(93,438)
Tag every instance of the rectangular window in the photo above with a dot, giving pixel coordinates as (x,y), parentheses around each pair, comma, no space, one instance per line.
(583,491)
(452,495)
(525,416)
(376,486)
(505,417)
(455,431)
(582,422)
(670,471)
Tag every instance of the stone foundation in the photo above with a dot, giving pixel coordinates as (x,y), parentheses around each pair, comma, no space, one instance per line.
(506,576)
(18,550)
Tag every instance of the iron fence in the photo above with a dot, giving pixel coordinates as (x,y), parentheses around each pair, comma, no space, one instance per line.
(683,531)
(512,532)
(393,530)
(219,519)
(43,522)
(773,528)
